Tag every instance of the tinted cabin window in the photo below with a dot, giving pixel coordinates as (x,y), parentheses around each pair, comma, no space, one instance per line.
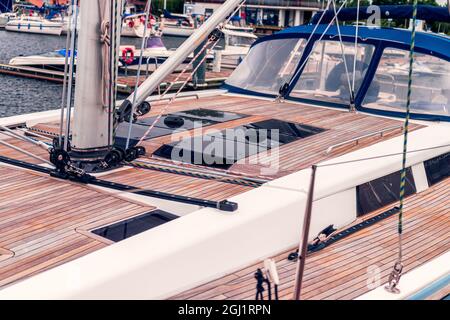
(133,226)
(438,168)
(382,191)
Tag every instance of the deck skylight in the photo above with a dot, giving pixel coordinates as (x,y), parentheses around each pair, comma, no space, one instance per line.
(221,149)
(125,229)
(168,124)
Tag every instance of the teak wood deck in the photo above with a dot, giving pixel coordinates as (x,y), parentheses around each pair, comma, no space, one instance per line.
(341,126)
(341,271)
(45,222)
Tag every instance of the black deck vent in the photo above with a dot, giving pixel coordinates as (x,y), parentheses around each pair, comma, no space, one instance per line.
(133,226)
(224,148)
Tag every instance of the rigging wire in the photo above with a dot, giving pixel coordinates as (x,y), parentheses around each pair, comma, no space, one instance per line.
(356,51)
(25,152)
(115,38)
(382,156)
(341,44)
(198,55)
(214,42)
(179,90)
(309,38)
(64,90)
(299,70)
(138,75)
(71,71)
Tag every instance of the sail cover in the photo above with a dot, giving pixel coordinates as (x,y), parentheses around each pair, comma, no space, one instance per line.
(424,12)
(6,5)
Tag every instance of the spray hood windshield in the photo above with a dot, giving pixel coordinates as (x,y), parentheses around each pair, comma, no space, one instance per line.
(373,73)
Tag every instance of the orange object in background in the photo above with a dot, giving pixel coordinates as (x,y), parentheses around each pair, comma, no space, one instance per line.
(37,3)
(40,3)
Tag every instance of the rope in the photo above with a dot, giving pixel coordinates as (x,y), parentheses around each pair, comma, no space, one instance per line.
(394,278)
(208,42)
(138,76)
(105,27)
(382,156)
(179,171)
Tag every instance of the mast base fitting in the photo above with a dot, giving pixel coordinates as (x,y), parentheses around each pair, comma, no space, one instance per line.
(91,160)
(89,155)
(64,168)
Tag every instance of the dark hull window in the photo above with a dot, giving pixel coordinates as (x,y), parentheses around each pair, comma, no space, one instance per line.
(133,226)
(438,168)
(378,193)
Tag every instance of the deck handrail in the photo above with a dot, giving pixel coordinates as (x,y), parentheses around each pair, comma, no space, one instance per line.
(156,63)
(379,132)
(196,95)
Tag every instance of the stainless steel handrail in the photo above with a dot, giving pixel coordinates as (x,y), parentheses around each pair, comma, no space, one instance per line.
(156,67)
(380,132)
(196,95)
(156,63)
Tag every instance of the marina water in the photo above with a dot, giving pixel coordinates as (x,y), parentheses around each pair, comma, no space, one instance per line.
(20,95)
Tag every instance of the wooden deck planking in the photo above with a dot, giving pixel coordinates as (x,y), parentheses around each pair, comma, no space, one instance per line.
(11,153)
(340,270)
(43,221)
(178,184)
(340,126)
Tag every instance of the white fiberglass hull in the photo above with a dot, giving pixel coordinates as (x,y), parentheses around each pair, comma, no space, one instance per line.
(38,27)
(135,32)
(5,18)
(38,61)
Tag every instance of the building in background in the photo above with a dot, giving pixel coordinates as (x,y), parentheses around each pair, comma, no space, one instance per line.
(268,13)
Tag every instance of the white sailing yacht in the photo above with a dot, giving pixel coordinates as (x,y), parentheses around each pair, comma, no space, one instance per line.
(185,196)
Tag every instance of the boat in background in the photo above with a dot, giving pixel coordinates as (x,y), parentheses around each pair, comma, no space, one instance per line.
(154,54)
(35,24)
(54,60)
(238,41)
(6,17)
(177,25)
(134,25)
(37,19)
